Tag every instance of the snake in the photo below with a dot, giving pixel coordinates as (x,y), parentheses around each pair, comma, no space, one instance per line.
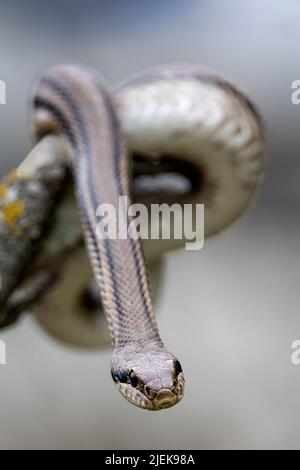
(161,128)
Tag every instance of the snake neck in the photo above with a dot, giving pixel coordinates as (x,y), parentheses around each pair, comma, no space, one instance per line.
(138,340)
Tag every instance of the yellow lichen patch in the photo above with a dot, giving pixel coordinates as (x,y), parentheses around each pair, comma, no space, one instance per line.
(6,182)
(3,190)
(11,213)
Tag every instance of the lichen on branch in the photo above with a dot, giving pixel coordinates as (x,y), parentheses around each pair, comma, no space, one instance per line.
(28,196)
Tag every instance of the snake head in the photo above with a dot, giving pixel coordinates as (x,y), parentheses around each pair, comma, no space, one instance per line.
(149,379)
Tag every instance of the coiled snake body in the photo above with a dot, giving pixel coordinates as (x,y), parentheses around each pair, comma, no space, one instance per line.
(187,119)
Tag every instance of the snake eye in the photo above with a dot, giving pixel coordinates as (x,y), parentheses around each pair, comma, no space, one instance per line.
(133,379)
(178,368)
(119,375)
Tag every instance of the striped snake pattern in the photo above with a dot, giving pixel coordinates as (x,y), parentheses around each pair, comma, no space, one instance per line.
(185,109)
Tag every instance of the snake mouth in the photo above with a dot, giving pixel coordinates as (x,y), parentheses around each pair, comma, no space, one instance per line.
(166,178)
(164,398)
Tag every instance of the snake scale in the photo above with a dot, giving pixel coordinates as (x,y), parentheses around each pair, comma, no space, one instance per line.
(186,118)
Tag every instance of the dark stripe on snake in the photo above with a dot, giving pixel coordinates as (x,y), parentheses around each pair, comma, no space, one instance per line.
(67,98)
(40,103)
(116,129)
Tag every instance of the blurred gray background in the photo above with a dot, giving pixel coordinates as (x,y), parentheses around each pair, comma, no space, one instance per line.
(231,311)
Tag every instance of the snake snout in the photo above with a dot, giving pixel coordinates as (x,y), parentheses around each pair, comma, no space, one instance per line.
(165,398)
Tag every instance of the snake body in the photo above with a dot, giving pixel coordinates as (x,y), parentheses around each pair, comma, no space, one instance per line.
(72,101)
(215,129)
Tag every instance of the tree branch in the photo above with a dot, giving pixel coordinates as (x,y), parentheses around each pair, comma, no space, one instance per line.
(28,196)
